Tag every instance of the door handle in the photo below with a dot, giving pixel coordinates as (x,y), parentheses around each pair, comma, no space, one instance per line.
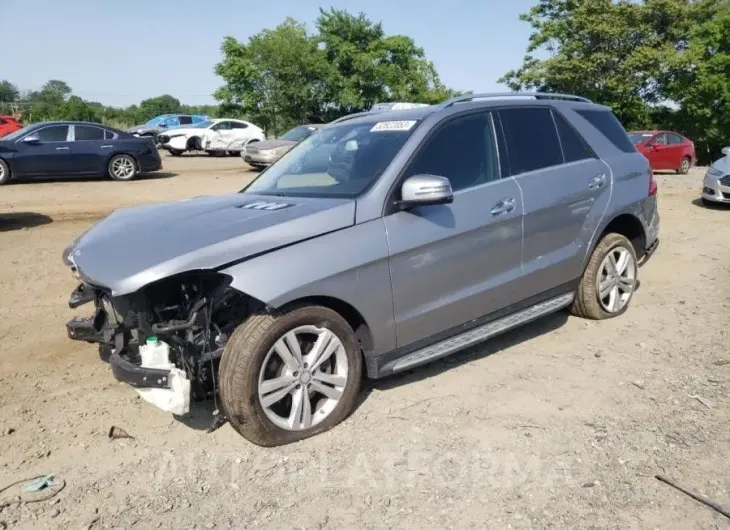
(107,146)
(502,206)
(61,148)
(597,182)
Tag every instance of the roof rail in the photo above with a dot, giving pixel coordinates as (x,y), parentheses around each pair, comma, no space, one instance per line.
(499,95)
(356,115)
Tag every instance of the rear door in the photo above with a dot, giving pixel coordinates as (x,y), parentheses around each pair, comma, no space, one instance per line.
(676,150)
(453,263)
(565,188)
(49,156)
(89,150)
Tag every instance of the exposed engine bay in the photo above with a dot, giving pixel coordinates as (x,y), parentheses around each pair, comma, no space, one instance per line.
(193,313)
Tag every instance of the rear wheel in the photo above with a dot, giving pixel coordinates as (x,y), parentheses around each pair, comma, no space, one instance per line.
(290,375)
(684,166)
(4,172)
(609,281)
(122,167)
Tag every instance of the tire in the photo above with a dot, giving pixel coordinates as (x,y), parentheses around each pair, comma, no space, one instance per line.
(250,353)
(175,152)
(4,172)
(684,166)
(588,303)
(122,168)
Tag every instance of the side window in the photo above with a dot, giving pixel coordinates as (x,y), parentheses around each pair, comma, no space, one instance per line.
(532,140)
(660,139)
(83,133)
(463,150)
(172,121)
(109,135)
(222,126)
(185,120)
(55,133)
(238,125)
(675,139)
(610,127)
(574,146)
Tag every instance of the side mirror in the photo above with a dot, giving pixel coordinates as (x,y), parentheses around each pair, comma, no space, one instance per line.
(32,139)
(423,190)
(726,151)
(162,125)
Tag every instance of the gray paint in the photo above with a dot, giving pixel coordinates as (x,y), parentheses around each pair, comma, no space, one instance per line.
(410,274)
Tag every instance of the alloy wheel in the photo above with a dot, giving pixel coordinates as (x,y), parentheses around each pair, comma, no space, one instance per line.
(303,377)
(123,167)
(617,279)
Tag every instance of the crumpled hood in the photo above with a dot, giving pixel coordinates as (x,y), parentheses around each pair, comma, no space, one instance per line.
(142,129)
(272,144)
(139,245)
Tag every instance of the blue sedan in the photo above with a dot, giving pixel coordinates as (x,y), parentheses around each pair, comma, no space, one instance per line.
(62,149)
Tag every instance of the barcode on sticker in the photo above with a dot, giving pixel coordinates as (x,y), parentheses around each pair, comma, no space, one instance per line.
(403,125)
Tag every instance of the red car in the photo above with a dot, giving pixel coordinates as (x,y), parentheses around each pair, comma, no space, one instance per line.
(8,124)
(665,149)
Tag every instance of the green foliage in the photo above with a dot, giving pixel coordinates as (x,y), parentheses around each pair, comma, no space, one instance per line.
(285,76)
(8,92)
(656,63)
(165,104)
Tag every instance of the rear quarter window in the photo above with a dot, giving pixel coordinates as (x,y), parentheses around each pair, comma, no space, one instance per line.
(608,125)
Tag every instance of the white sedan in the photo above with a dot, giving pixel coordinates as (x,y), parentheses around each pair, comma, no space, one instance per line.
(213,136)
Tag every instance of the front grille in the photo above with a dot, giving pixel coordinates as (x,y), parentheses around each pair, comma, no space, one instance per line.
(725,195)
(725,181)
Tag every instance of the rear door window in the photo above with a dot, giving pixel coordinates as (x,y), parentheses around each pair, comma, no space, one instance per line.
(610,127)
(84,133)
(531,138)
(574,146)
(185,120)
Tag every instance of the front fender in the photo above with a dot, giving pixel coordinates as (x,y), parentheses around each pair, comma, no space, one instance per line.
(350,265)
(178,142)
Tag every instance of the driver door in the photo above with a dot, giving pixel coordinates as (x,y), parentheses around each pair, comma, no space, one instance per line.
(453,263)
(50,155)
(219,136)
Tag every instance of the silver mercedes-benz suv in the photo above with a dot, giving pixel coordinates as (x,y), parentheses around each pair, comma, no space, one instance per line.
(389,239)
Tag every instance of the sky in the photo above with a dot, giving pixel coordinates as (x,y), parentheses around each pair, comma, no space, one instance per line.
(119,52)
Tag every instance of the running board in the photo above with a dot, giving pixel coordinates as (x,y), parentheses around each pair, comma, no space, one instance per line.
(481,333)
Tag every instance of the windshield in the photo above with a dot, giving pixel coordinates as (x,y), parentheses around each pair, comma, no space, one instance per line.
(202,125)
(298,133)
(155,121)
(341,161)
(640,138)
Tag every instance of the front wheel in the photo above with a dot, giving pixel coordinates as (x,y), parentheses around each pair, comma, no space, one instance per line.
(290,375)
(609,281)
(122,167)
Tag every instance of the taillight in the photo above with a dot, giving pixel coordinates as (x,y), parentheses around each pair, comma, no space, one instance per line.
(652,184)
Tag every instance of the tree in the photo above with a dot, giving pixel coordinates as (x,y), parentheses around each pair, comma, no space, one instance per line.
(368,67)
(276,79)
(165,104)
(613,52)
(284,77)
(8,92)
(700,81)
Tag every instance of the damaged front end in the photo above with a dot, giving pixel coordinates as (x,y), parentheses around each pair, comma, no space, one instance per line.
(192,313)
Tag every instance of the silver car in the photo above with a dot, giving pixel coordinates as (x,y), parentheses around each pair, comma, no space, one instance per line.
(367,250)
(265,153)
(716,185)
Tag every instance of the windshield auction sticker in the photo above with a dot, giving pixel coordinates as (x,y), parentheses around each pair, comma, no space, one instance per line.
(404,125)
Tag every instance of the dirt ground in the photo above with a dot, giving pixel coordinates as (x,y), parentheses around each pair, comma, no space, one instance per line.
(561,424)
